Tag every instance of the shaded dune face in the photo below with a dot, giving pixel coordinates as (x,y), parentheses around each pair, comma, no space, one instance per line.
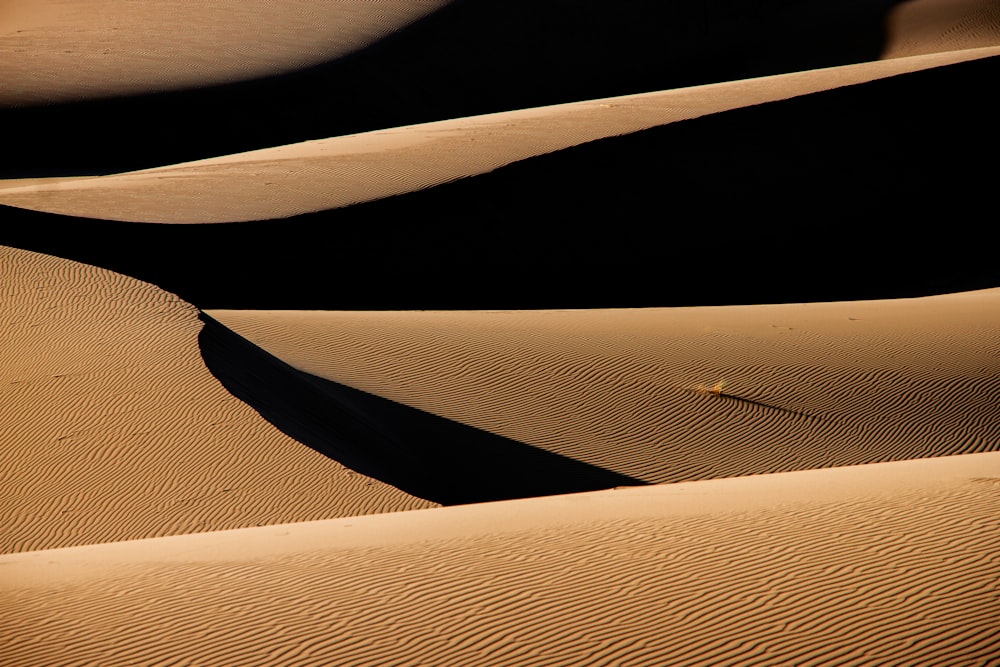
(805,386)
(424,455)
(470,57)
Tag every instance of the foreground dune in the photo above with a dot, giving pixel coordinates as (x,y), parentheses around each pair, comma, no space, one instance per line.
(337,172)
(889,564)
(805,385)
(114,429)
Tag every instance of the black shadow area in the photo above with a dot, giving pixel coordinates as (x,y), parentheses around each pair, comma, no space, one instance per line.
(880,190)
(425,455)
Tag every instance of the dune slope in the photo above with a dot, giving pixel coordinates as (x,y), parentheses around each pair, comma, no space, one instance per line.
(114,429)
(891,564)
(805,385)
(341,171)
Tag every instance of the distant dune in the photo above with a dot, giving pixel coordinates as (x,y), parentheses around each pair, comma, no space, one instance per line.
(333,173)
(67,50)
(497,332)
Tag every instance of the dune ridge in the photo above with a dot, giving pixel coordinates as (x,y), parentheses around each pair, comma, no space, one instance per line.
(890,563)
(342,171)
(114,429)
(806,385)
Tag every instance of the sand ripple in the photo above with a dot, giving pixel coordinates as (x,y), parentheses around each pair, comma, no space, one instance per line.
(900,576)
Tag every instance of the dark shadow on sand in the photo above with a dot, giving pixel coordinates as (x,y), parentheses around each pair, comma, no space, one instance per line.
(472,57)
(425,455)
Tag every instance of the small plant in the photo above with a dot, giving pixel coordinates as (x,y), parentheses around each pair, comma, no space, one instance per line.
(715,390)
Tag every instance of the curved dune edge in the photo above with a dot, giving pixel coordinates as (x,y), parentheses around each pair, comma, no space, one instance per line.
(806,385)
(331,173)
(890,564)
(114,429)
(423,454)
(64,50)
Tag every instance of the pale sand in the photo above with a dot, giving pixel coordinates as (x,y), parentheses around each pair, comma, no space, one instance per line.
(340,171)
(63,50)
(114,429)
(889,564)
(806,385)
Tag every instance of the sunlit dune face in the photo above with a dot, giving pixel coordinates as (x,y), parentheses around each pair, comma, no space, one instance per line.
(62,50)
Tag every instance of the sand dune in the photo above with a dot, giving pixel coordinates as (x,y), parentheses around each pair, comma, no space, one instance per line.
(721,209)
(890,564)
(332,173)
(231,443)
(114,429)
(63,50)
(929,26)
(806,385)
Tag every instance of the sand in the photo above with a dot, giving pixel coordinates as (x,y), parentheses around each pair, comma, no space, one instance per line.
(773,483)
(887,564)
(114,429)
(337,172)
(805,385)
(62,50)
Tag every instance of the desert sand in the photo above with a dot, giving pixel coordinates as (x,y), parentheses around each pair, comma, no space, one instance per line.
(222,448)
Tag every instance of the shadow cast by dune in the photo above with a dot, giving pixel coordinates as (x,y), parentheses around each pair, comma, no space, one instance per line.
(471,57)
(810,199)
(423,454)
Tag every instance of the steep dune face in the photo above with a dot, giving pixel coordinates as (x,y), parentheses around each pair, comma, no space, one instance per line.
(805,385)
(891,564)
(114,429)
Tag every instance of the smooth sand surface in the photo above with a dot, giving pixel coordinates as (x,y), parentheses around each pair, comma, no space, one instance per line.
(891,564)
(114,429)
(337,172)
(63,50)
